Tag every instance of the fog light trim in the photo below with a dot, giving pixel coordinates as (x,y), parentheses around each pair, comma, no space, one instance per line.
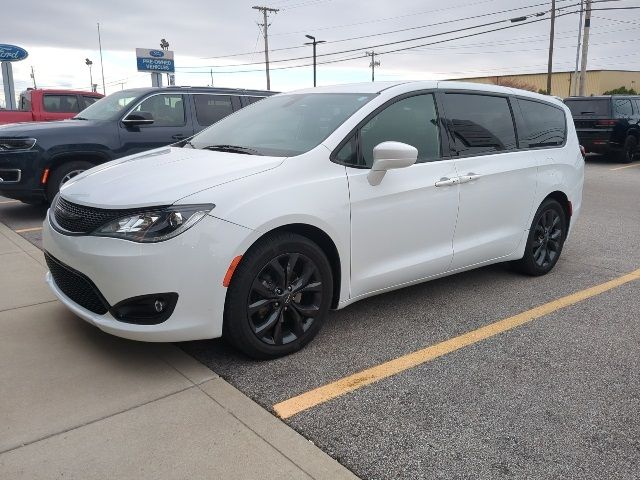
(149,309)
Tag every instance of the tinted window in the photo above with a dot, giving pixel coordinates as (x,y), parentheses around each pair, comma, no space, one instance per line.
(596,107)
(544,125)
(480,123)
(25,101)
(211,108)
(89,101)
(61,103)
(413,121)
(622,107)
(636,106)
(167,110)
(250,100)
(347,154)
(284,125)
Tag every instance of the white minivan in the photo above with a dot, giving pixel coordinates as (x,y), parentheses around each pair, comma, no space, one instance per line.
(312,200)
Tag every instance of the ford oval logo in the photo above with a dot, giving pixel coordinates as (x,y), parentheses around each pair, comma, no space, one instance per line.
(11,53)
(156,53)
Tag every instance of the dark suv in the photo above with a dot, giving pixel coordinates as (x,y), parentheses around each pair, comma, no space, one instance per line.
(607,124)
(37,158)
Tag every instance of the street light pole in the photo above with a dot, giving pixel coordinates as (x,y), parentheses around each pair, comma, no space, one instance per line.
(551,35)
(164,45)
(104,88)
(88,63)
(314,42)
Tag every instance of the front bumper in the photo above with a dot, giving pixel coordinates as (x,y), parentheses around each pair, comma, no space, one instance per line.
(28,188)
(192,264)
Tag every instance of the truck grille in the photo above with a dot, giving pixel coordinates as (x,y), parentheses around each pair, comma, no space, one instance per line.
(76,286)
(80,219)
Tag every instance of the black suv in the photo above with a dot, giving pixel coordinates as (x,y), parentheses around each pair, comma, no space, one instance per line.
(607,124)
(36,159)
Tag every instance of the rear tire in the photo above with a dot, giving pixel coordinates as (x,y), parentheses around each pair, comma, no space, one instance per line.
(545,241)
(628,152)
(62,174)
(278,297)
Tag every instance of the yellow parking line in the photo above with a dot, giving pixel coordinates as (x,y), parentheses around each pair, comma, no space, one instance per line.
(312,398)
(626,166)
(4,202)
(25,230)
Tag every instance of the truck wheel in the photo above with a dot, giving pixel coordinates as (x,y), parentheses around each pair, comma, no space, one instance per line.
(63,174)
(629,150)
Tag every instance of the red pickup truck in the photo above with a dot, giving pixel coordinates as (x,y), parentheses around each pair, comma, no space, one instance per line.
(40,105)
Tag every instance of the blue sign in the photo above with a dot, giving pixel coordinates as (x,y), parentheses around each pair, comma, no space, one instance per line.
(11,53)
(158,61)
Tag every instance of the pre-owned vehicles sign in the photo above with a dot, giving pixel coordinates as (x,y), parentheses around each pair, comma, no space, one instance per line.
(11,53)
(151,60)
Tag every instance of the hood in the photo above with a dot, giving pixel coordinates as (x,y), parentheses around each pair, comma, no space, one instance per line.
(161,177)
(34,128)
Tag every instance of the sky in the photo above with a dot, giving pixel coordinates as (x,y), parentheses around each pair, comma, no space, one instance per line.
(204,33)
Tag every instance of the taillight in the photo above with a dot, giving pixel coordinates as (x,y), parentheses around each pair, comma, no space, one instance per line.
(605,123)
(583,152)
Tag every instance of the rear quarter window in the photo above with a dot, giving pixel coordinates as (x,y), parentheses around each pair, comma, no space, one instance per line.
(211,108)
(61,103)
(543,125)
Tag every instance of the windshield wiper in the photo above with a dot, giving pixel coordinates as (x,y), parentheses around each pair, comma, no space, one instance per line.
(232,149)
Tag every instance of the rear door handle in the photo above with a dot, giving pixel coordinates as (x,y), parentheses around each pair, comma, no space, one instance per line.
(469,177)
(447,182)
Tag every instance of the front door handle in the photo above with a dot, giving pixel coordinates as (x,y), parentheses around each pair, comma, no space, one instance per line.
(447,182)
(469,177)
(178,136)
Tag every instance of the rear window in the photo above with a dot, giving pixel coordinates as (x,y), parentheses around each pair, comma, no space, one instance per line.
(544,125)
(595,107)
(61,103)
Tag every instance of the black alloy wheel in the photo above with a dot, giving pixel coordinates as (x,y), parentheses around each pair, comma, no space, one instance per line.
(285,299)
(278,297)
(547,237)
(545,241)
(628,150)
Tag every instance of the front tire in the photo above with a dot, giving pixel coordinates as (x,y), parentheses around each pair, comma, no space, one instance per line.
(278,297)
(546,239)
(62,174)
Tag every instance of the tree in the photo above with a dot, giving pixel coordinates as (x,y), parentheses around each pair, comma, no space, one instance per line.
(621,91)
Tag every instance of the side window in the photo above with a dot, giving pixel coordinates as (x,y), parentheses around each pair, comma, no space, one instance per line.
(249,100)
(211,108)
(412,120)
(167,110)
(348,153)
(622,107)
(25,103)
(89,100)
(479,123)
(636,106)
(544,125)
(60,103)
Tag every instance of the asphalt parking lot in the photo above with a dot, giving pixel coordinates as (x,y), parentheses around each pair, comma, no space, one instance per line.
(551,393)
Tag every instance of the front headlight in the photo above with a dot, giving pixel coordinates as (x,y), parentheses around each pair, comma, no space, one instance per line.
(155,225)
(16,144)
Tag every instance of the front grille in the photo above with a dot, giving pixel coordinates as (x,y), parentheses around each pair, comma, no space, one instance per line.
(76,286)
(76,218)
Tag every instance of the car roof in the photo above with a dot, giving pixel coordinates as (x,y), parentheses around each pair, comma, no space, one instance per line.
(601,97)
(187,89)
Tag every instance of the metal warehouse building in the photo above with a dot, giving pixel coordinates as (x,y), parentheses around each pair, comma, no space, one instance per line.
(563,83)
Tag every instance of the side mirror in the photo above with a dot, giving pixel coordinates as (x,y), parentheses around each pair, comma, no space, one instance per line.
(388,155)
(135,119)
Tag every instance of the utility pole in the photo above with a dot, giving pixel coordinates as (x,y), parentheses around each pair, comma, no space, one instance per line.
(265,30)
(374,63)
(551,35)
(104,88)
(33,77)
(314,42)
(585,48)
(211,72)
(574,89)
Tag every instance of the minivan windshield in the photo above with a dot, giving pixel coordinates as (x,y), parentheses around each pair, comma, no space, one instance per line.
(108,107)
(589,107)
(282,125)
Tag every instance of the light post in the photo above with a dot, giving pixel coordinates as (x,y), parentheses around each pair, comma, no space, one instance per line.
(314,42)
(88,63)
(164,45)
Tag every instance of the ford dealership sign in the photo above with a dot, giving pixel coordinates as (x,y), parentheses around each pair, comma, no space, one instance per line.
(11,53)
(155,61)
(156,53)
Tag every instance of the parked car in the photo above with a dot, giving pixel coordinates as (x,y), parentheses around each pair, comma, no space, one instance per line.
(313,200)
(41,105)
(37,158)
(609,125)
